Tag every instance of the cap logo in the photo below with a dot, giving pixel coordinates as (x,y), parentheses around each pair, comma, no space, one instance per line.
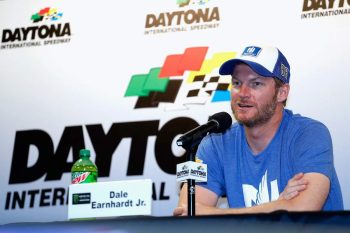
(251,51)
(284,71)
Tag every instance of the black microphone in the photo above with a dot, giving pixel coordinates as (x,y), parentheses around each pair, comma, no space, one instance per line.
(217,123)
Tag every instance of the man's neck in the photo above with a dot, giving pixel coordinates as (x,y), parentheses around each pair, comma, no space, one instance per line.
(259,137)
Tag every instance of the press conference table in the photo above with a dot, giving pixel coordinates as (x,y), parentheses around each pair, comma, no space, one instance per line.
(247,223)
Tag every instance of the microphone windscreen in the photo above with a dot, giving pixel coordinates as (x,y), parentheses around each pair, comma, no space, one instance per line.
(224,119)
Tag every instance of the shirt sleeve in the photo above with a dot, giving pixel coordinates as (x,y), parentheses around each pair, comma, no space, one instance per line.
(313,150)
(209,155)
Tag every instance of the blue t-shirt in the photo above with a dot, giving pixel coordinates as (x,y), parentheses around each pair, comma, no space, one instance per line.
(300,145)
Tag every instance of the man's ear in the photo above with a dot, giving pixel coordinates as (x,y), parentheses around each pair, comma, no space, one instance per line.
(283,92)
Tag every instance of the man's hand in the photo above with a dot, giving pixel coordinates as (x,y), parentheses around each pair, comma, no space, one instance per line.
(180,211)
(295,185)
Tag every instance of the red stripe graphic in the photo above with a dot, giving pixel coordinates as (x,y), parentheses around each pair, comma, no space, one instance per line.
(177,64)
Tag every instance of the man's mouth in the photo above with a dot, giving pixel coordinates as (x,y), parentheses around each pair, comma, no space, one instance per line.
(244,105)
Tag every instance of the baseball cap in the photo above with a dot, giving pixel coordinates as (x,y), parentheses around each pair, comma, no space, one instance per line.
(265,60)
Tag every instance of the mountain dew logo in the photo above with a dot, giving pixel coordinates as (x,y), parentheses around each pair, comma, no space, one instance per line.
(79,177)
(184,79)
(84,177)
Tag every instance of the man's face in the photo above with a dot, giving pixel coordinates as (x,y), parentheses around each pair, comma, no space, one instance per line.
(253,98)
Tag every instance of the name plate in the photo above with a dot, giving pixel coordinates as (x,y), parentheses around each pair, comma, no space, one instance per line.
(110,199)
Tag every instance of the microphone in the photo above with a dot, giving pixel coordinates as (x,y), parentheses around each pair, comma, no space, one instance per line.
(217,123)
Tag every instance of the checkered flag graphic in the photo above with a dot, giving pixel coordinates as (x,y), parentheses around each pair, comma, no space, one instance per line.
(206,85)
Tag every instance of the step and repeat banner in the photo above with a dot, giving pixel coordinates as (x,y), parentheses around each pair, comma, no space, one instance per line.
(126,78)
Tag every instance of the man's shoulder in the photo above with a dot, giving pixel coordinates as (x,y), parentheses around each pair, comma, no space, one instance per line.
(299,123)
(299,120)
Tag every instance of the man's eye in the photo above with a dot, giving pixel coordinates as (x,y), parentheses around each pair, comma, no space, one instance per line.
(235,83)
(256,84)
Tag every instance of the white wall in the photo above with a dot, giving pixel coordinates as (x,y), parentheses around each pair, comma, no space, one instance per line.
(83,81)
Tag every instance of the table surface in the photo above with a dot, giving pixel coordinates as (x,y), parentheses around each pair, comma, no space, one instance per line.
(247,223)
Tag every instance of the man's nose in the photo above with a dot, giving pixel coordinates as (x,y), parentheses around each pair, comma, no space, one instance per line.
(244,91)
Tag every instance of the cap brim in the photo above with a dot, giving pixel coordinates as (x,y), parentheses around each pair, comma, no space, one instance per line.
(228,67)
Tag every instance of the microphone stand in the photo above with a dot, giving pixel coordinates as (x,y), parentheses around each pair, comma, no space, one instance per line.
(191,186)
(219,122)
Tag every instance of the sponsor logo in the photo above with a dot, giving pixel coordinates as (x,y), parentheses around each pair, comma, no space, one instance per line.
(191,170)
(284,71)
(81,198)
(183,172)
(184,80)
(47,29)
(183,3)
(324,8)
(53,162)
(251,51)
(79,177)
(193,15)
(198,173)
(50,14)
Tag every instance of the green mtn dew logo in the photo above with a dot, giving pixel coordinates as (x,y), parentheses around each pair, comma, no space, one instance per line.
(84,177)
(185,79)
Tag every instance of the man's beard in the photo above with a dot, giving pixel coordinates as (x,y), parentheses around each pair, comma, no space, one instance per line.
(263,115)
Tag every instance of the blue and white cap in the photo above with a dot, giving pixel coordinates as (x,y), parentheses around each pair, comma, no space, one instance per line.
(266,61)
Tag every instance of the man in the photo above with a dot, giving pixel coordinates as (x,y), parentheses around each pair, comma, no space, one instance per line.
(252,161)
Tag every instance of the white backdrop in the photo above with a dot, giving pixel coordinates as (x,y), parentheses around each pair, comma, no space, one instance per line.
(81,77)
